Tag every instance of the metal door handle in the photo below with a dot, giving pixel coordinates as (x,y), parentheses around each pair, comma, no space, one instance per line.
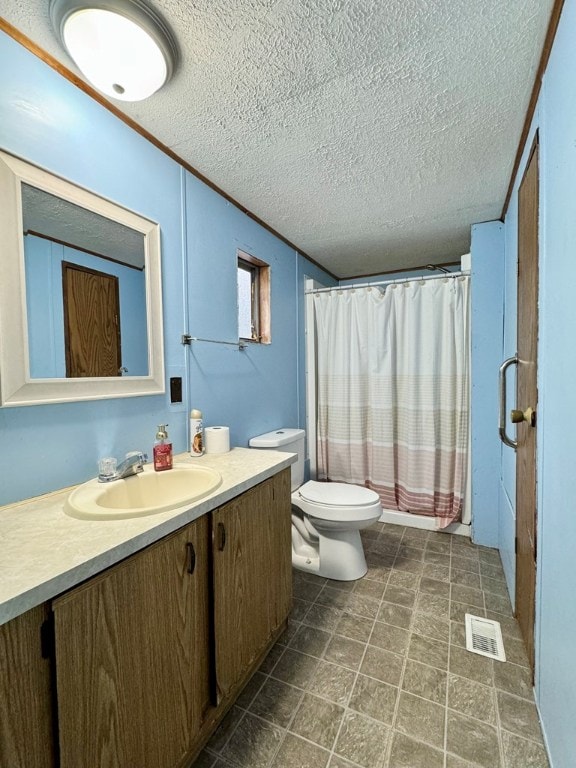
(502,415)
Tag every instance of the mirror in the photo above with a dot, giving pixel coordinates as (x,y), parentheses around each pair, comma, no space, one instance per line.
(80,297)
(85,291)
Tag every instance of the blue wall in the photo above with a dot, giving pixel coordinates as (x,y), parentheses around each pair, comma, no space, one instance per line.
(410,274)
(556,607)
(255,390)
(487,303)
(47,121)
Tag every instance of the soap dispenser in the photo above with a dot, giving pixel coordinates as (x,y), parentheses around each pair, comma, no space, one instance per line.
(162,450)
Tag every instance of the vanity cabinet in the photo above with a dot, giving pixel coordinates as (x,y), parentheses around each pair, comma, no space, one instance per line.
(150,654)
(26,725)
(132,658)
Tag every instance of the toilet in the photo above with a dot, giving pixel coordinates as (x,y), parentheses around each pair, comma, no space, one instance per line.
(326,517)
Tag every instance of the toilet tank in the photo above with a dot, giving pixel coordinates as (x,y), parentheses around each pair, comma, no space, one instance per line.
(289,440)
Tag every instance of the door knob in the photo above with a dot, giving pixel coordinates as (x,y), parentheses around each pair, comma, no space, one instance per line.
(529,416)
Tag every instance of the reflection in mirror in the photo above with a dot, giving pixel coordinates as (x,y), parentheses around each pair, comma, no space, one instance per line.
(80,295)
(85,291)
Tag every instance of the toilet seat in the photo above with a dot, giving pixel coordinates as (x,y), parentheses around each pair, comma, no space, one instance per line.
(337,494)
(337,502)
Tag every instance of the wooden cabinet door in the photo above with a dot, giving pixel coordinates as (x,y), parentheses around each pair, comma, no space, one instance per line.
(132,658)
(252,578)
(26,735)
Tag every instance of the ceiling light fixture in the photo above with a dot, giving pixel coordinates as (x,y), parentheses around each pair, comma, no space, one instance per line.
(122,47)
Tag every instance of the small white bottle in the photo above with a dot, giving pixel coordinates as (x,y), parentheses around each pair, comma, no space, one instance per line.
(196,433)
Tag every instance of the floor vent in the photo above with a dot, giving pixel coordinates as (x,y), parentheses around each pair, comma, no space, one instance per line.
(484,636)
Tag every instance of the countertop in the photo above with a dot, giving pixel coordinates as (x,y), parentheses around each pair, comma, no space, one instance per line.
(44,552)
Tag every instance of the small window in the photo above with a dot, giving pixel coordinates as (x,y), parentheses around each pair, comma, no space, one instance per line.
(253,299)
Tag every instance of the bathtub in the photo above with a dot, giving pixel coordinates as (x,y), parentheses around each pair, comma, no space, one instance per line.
(395,517)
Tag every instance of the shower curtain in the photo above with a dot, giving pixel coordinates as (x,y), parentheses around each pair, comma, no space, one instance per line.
(393,380)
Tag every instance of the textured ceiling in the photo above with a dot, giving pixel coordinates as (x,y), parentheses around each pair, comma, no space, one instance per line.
(371,134)
(60,220)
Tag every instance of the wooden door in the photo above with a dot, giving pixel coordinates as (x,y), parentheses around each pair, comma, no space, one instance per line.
(132,658)
(252,576)
(26,714)
(527,396)
(91,322)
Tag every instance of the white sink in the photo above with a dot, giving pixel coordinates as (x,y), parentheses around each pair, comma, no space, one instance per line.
(147,493)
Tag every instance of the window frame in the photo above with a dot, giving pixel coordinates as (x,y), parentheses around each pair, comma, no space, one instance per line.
(260,297)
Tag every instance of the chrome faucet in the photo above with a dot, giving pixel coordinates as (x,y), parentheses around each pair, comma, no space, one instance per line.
(132,465)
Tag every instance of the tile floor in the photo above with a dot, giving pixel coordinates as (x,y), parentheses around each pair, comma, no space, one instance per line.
(374,673)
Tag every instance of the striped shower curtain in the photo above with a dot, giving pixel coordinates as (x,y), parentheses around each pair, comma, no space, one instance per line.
(393,381)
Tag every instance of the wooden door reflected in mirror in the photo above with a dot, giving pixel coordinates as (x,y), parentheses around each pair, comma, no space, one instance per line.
(91,322)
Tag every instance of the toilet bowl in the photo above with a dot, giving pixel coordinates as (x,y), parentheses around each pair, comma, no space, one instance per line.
(326,517)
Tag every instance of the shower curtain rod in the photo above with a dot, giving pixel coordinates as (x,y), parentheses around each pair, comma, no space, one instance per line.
(461,273)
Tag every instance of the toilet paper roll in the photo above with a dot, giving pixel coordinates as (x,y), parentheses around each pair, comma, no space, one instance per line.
(217,439)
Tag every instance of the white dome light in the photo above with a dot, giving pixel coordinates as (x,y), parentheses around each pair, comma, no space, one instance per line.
(121,47)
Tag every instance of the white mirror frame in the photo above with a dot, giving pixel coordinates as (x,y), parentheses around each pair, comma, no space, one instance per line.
(16,386)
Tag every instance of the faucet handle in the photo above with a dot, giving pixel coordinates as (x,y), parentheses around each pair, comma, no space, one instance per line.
(107,467)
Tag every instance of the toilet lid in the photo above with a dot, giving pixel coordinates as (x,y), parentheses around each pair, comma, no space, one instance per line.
(337,494)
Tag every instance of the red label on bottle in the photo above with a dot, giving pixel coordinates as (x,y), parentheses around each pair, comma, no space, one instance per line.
(163,457)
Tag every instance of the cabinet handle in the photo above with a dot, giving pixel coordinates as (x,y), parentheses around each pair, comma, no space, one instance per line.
(221,537)
(191,557)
